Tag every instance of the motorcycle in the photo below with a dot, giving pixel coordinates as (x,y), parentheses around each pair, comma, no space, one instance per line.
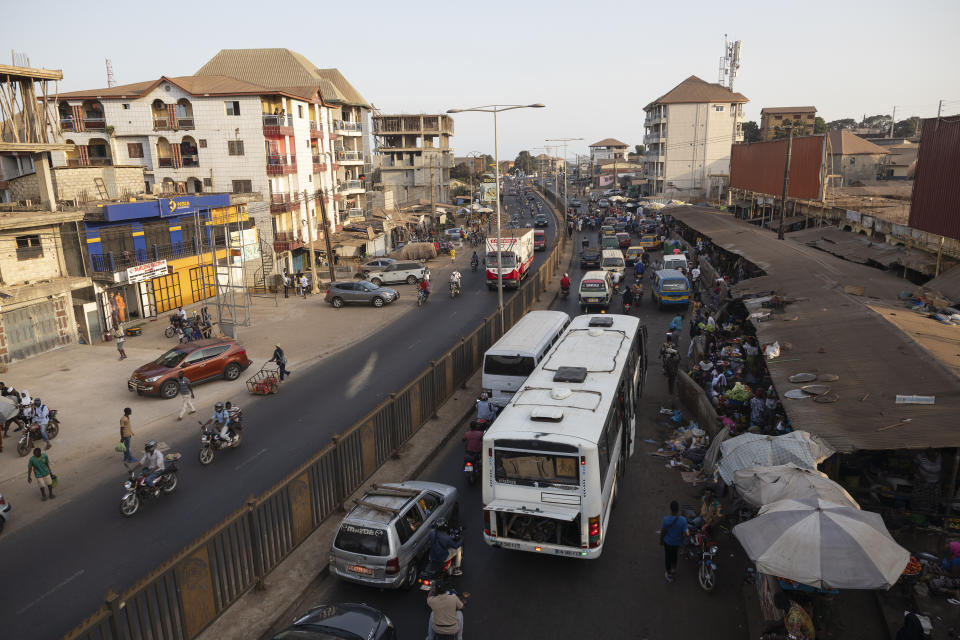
(421,297)
(32,434)
(474,264)
(706,561)
(175,322)
(564,292)
(211,442)
(434,571)
(137,491)
(454,289)
(471,467)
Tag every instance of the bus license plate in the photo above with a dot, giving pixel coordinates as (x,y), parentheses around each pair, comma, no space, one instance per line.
(467,467)
(361,570)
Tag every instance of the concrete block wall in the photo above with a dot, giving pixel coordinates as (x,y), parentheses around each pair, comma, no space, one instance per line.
(25,187)
(16,271)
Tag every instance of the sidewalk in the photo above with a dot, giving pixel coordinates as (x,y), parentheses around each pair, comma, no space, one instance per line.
(87,384)
(291,586)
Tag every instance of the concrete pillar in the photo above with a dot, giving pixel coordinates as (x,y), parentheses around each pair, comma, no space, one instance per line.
(48,196)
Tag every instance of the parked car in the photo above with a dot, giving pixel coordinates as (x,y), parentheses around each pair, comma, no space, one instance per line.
(539,240)
(347,621)
(200,360)
(383,540)
(376,265)
(359,292)
(4,511)
(590,258)
(540,220)
(407,271)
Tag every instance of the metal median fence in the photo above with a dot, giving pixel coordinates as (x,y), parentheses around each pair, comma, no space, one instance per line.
(184,595)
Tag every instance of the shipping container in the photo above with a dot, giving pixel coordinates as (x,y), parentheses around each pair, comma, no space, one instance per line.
(758,167)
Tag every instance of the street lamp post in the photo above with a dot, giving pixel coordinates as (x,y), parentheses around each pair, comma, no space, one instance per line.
(564,141)
(495,109)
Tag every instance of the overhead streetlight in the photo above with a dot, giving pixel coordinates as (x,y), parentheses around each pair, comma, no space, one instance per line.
(495,109)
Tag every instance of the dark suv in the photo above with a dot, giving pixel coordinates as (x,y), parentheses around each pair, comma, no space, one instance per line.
(200,361)
(590,258)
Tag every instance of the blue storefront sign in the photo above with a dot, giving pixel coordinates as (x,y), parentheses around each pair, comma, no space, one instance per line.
(164,207)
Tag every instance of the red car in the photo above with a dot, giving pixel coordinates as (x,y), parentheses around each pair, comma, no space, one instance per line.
(539,240)
(624,239)
(200,361)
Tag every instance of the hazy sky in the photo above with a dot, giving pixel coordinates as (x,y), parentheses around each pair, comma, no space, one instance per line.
(595,64)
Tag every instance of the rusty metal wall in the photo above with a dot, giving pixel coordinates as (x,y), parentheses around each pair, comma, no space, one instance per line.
(186,594)
(935,206)
(758,167)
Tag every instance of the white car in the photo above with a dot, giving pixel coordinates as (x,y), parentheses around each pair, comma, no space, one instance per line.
(4,512)
(403,271)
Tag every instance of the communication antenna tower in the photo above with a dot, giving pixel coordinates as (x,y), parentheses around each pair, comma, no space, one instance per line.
(730,62)
(111,82)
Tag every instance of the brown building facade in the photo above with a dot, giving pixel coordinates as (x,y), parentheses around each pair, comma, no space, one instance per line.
(774,118)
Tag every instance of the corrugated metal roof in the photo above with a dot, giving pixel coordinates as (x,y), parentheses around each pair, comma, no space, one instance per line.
(947,284)
(758,167)
(350,95)
(830,331)
(935,207)
(864,250)
(695,90)
(844,143)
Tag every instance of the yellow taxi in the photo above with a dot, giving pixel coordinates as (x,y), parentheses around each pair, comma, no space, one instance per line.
(634,254)
(608,230)
(650,242)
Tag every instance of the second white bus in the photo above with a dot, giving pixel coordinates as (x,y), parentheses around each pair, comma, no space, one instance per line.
(553,459)
(513,357)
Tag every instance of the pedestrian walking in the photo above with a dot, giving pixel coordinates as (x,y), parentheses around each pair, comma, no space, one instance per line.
(120,340)
(39,466)
(186,393)
(673,530)
(281,359)
(671,365)
(286,285)
(676,328)
(125,434)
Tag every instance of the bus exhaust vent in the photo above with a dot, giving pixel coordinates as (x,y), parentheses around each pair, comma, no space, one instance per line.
(547,414)
(570,374)
(601,321)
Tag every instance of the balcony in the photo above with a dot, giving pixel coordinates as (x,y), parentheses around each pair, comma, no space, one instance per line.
(319,166)
(184,123)
(278,165)
(276,126)
(350,157)
(165,163)
(355,213)
(284,202)
(655,119)
(94,124)
(161,124)
(284,241)
(66,124)
(90,162)
(345,126)
(191,161)
(349,186)
(654,137)
(315,130)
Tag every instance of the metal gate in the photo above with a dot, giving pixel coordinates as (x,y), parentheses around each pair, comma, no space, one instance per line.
(166,292)
(203,285)
(31,330)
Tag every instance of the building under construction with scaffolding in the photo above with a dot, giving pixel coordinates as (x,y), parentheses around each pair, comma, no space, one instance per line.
(413,158)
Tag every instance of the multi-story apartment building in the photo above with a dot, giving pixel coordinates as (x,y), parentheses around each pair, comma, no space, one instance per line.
(689,131)
(801,120)
(414,156)
(38,237)
(607,149)
(262,124)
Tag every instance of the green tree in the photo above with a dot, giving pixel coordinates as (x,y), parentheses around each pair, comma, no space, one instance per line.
(842,123)
(877,122)
(819,125)
(751,131)
(907,128)
(639,148)
(461,172)
(525,162)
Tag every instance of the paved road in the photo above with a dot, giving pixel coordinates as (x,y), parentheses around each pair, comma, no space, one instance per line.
(57,570)
(623,594)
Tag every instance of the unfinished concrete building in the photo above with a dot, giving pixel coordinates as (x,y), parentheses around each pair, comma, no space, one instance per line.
(414,156)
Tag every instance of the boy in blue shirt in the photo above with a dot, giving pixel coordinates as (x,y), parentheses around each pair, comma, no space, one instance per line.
(673,530)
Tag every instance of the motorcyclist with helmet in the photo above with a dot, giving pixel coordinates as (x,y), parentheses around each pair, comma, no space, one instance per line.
(474,261)
(485,409)
(424,288)
(455,280)
(221,420)
(153,460)
(443,547)
(565,283)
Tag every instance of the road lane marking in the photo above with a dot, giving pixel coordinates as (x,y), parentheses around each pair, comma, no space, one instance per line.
(62,584)
(413,344)
(358,381)
(250,459)
(453,314)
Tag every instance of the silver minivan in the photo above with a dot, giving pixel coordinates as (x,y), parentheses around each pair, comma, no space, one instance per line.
(384,539)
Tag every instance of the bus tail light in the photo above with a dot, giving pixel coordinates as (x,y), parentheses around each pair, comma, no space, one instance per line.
(594,531)
(393,566)
(486,521)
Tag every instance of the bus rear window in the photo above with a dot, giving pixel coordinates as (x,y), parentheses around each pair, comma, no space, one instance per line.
(522,467)
(499,365)
(369,541)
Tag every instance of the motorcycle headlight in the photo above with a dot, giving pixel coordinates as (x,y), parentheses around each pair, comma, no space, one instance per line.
(713,549)
(152,379)
(128,485)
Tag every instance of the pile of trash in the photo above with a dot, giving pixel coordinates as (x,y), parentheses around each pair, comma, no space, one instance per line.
(931,306)
(684,448)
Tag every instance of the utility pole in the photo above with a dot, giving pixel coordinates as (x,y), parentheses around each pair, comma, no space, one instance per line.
(566,178)
(939,108)
(433,204)
(893,121)
(786,182)
(311,222)
(322,197)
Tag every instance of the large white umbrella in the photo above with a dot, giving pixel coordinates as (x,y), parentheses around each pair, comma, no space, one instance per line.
(823,545)
(484,210)
(756,450)
(763,485)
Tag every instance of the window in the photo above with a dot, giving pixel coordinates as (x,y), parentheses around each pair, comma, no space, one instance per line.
(368,541)
(235,147)
(718,107)
(428,503)
(203,143)
(126,105)
(134,149)
(208,183)
(233,107)
(29,247)
(809,116)
(505,365)
(603,450)
(299,110)
(411,520)
(778,117)
(242,186)
(853,161)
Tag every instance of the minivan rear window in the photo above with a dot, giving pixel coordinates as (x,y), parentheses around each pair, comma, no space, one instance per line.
(674,285)
(369,541)
(593,285)
(502,365)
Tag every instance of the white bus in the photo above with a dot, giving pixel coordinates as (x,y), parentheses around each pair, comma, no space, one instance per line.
(553,459)
(508,362)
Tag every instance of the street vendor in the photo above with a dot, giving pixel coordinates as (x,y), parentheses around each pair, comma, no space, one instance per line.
(711,511)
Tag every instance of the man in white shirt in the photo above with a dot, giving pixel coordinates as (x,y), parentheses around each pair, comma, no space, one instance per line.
(153,460)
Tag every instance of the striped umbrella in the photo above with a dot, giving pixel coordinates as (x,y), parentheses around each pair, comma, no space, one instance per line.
(822,544)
